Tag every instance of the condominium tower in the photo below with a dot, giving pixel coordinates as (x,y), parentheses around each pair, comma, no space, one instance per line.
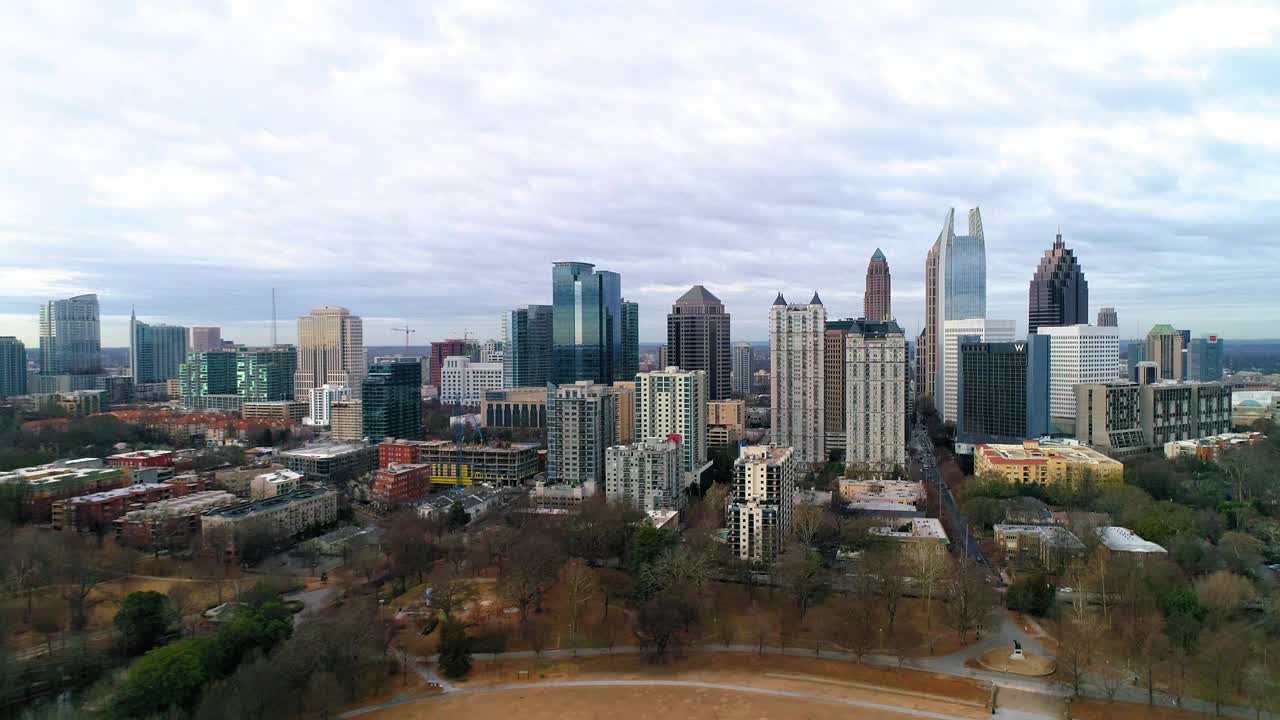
(204,339)
(1058,294)
(330,350)
(586,331)
(582,422)
(758,516)
(526,358)
(70,336)
(630,364)
(740,356)
(698,338)
(156,351)
(796,375)
(647,475)
(1204,359)
(13,366)
(391,400)
(877,300)
(875,372)
(673,402)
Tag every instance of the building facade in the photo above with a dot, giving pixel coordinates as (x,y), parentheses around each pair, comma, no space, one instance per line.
(698,339)
(441,349)
(267,374)
(758,515)
(1031,462)
(582,422)
(1059,294)
(463,382)
(70,336)
(331,462)
(1184,411)
(797,375)
(961,288)
(726,421)
(673,402)
(519,407)
(346,420)
(1204,359)
(330,350)
(321,400)
(1109,416)
(875,371)
(1107,317)
(526,358)
(391,401)
(625,392)
(13,367)
(630,341)
(741,361)
(281,516)
(648,475)
(289,410)
(877,301)
(1165,348)
(1078,355)
(834,435)
(205,375)
(954,332)
(204,339)
(586,323)
(1003,391)
(155,351)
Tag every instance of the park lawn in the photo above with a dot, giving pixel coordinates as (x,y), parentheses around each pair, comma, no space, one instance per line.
(1094,709)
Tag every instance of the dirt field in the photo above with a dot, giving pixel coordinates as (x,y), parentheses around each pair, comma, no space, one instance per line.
(628,703)
(1092,709)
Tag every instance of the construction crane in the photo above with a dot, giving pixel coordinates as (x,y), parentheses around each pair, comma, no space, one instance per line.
(406,330)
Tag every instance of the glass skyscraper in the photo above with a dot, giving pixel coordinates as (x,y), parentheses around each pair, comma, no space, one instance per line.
(70,336)
(155,351)
(1003,390)
(630,342)
(586,323)
(957,266)
(266,374)
(1204,359)
(392,400)
(13,367)
(526,358)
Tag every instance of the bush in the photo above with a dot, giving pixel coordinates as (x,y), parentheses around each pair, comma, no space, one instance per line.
(1032,594)
(455,651)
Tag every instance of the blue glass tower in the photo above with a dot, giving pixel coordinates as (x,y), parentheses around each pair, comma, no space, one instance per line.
(586,323)
(1204,359)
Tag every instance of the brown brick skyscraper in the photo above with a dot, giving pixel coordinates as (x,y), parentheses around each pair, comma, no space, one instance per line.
(876,304)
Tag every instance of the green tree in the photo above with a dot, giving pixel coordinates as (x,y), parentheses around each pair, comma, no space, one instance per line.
(168,676)
(458,517)
(143,620)
(647,543)
(455,649)
(1032,594)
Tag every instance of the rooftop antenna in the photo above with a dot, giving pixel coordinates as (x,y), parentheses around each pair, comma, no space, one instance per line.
(273,317)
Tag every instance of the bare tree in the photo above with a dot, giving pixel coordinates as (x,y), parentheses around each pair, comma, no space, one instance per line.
(890,581)
(807,522)
(533,565)
(454,547)
(452,593)
(857,631)
(79,578)
(1149,648)
(30,564)
(970,600)
(1224,592)
(1077,646)
(579,585)
(1217,663)
(183,600)
(928,564)
(803,574)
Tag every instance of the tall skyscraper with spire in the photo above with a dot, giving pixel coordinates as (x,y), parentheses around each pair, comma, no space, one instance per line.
(330,350)
(877,301)
(698,338)
(797,377)
(1059,294)
(955,289)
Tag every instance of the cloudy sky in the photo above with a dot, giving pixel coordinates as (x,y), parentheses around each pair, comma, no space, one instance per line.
(426,162)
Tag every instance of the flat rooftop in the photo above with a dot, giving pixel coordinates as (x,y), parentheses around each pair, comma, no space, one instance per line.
(1051,534)
(140,455)
(257,506)
(913,529)
(1118,539)
(325,452)
(1033,452)
(764,453)
(117,493)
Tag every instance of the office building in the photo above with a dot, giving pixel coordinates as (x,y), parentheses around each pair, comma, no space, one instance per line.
(582,422)
(391,400)
(330,350)
(926,348)
(1135,352)
(1003,391)
(953,333)
(797,378)
(726,421)
(463,382)
(647,475)
(1109,417)
(526,355)
(1145,373)
(1204,359)
(630,364)
(955,289)
(290,411)
(155,351)
(208,381)
(267,374)
(331,462)
(625,392)
(520,407)
(1059,294)
(204,339)
(13,367)
(741,361)
(506,465)
(586,323)
(346,420)
(1165,349)
(70,336)
(698,339)
(673,402)
(1107,317)
(453,347)
(877,300)
(492,351)
(833,385)
(1184,411)
(321,401)
(875,372)
(1032,462)
(1078,355)
(758,516)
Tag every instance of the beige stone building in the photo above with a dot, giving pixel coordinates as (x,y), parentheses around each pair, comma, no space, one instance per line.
(330,350)
(625,391)
(726,420)
(1032,462)
(346,420)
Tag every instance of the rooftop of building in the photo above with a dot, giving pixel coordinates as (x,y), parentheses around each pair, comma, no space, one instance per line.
(194,503)
(140,455)
(881,507)
(257,506)
(279,475)
(912,529)
(506,447)
(326,451)
(125,491)
(56,472)
(698,295)
(1034,451)
(468,496)
(865,327)
(1118,539)
(767,453)
(1051,534)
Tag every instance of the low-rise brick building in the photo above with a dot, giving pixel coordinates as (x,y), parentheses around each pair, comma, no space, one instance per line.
(97,511)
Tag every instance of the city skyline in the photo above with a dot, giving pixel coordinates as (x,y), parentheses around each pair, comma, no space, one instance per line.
(785,181)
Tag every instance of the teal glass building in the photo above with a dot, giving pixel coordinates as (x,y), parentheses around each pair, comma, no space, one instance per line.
(586,323)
